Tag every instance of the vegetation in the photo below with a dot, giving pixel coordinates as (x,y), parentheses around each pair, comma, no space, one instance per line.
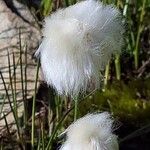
(125,93)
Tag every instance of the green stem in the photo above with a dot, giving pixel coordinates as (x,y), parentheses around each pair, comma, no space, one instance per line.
(75,109)
(33,106)
(117,67)
(14,94)
(106,74)
(136,49)
(11,85)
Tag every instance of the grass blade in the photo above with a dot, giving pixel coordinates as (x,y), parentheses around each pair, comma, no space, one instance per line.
(140,29)
(33,106)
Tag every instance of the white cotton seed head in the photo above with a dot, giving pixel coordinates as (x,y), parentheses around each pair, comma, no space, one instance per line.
(92,132)
(78,41)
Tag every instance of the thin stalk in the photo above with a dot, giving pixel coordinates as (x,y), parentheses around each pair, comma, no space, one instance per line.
(26,115)
(117,59)
(39,144)
(106,74)
(12,89)
(118,67)
(140,29)
(25,73)
(26,112)
(125,8)
(22,79)
(57,107)
(7,127)
(14,93)
(33,106)
(75,109)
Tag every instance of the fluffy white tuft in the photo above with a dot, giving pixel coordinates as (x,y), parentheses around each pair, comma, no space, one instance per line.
(92,132)
(78,42)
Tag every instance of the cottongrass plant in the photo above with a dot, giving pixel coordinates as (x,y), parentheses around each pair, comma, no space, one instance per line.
(78,42)
(92,132)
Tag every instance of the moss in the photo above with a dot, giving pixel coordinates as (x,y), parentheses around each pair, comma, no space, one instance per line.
(129,102)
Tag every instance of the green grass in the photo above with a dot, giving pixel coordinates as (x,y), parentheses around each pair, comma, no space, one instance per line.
(129,102)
